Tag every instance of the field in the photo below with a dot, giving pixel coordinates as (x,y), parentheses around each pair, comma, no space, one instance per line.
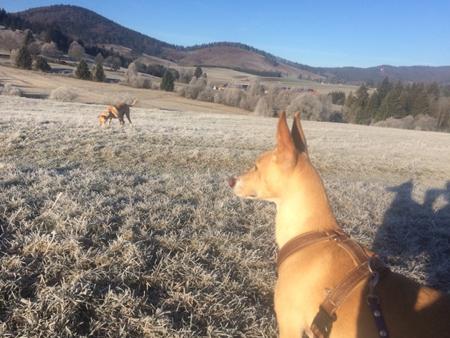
(133,232)
(38,84)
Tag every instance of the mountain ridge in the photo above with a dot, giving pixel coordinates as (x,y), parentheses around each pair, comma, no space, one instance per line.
(94,29)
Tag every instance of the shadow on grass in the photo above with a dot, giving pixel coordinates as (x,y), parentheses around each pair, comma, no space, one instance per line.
(418,232)
(416,235)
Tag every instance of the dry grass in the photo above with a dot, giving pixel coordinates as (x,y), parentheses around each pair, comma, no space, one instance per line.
(133,232)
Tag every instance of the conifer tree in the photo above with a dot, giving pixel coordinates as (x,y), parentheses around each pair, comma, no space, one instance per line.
(198,72)
(28,37)
(98,74)
(348,111)
(371,109)
(362,97)
(394,104)
(167,82)
(418,100)
(383,89)
(41,64)
(434,91)
(23,59)
(82,71)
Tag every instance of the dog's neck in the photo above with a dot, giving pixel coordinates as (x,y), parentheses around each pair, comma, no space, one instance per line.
(303,207)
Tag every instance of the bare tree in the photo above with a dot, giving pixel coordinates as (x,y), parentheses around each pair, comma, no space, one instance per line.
(262,108)
(310,107)
(185,75)
(233,97)
(109,61)
(99,59)
(76,51)
(34,48)
(131,74)
(10,40)
(134,79)
(50,50)
(116,63)
(252,95)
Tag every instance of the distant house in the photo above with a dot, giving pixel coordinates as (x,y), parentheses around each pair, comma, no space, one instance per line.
(226,86)
(221,87)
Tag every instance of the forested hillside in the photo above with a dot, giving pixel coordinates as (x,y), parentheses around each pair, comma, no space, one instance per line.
(410,106)
(77,23)
(92,28)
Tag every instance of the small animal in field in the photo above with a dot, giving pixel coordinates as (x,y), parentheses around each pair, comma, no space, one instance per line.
(116,111)
(329,285)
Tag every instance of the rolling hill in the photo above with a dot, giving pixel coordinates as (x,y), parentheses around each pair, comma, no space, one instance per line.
(94,29)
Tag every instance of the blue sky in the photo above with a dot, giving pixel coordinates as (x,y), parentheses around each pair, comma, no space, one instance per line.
(317,33)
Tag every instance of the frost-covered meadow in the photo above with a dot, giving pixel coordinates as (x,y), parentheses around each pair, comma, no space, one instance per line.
(133,232)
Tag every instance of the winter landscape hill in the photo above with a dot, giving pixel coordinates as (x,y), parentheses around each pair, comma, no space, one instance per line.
(94,29)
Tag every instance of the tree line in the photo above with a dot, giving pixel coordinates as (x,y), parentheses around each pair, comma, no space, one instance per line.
(264,73)
(398,101)
(53,33)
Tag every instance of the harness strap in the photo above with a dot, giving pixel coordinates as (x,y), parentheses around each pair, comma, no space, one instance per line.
(303,241)
(365,267)
(379,320)
(322,324)
(354,249)
(338,295)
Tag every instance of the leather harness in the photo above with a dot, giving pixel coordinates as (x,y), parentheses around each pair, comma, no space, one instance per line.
(366,267)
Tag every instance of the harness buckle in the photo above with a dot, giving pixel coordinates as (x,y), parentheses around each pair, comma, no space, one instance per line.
(374,279)
(322,323)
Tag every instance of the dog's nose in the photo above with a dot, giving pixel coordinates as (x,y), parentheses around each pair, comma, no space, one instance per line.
(231,181)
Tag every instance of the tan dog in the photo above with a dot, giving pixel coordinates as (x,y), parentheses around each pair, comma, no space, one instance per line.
(116,111)
(306,276)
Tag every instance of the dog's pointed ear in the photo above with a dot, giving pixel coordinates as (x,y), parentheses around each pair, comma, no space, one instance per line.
(298,136)
(284,137)
(285,150)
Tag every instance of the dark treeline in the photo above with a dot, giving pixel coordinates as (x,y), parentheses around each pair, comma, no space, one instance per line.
(264,73)
(14,22)
(82,24)
(78,22)
(398,101)
(269,57)
(52,32)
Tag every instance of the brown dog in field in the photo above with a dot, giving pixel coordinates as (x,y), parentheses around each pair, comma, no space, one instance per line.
(116,111)
(328,286)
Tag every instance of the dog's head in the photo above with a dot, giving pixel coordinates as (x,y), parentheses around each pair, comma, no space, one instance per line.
(268,178)
(103,118)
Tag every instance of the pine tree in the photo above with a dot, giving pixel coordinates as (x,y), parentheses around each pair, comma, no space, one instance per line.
(348,111)
(355,105)
(167,82)
(394,104)
(98,74)
(362,97)
(23,59)
(418,100)
(383,89)
(82,71)
(434,91)
(41,64)
(28,37)
(198,72)
(371,109)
